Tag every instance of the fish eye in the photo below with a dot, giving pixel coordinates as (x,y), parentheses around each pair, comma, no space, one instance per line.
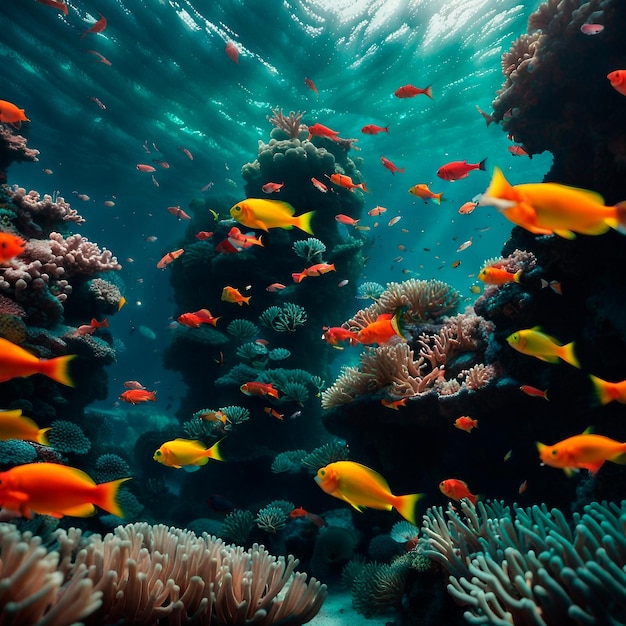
(553,452)
(157,453)
(322,472)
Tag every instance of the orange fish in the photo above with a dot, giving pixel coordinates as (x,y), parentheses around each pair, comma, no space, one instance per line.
(14,425)
(16,362)
(303,513)
(422,191)
(586,451)
(372,129)
(98,27)
(320,130)
(10,114)
(393,404)
(311,85)
(274,413)
(240,240)
(137,396)
(409,91)
(56,490)
(178,212)
(608,392)
(232,52)
(230,294)
(197,318)
(341,180)
(203,234)
(618,81)
(88,329)
(467,208)
(362,487)
(254,388)
(391,166)
(386,326)
(319,185)
(466,423)
(335,334)
(376,211)
(459,169)
(10,246)
(55,4)
(315,270)
(492,275)
(169,257)
(456,489)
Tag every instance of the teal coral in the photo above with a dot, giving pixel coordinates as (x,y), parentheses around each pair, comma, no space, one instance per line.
(15,452)
(68,437)
(379,587)
(322,456)
(284,319)
(242,329)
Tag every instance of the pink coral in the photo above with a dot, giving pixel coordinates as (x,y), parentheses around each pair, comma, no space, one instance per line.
(13,148)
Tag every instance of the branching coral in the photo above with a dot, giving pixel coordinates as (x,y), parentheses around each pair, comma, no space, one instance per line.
(273,517)
(291,123)
(284,319)
(310,249)
(529,566)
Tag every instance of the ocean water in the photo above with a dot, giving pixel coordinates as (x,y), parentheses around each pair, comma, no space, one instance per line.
(170,84)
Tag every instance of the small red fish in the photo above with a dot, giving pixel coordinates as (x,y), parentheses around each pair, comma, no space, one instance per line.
(225,247)
(186,152)
(390,166)
(518,151)
(466,423)
(409,91)
(393,404)
(467,208)
(169,257)
(232,52)
(300,513)
(254,388)
(456,489)
(459,169)
(341,180)
(240,240)
(314,270)
(133,384)
(203,234)
(534,392)
(319,185)
(272,187)
(274,413)
(274,287)
(136,396)
(311,85)
(591,29)
(197,318)
(101,58)
(178,212)
(618,81)
(98,27)
(88,329)
(55,4)
(346,219)
(10,246)
(320,130)
(143,167)
(377,210)
(164,164)
(372,129)
(334,335)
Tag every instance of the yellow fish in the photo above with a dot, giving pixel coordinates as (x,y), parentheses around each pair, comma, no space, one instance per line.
(587,451)
(550,208)
(16,362)
(422,191)
(14,425)
(189,454)
(362,487)
(535,343)
(265,214)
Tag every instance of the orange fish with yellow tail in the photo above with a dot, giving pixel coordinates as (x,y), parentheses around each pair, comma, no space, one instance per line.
(14,425)
(263,214)
(188,454)
(608,392)
(382,329)
(362,487)
(550,208)
(16,362)
(56,490)
(585,451)
(230,294)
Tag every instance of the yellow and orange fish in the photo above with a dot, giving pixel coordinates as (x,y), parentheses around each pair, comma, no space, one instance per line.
(533,342)
(16,362)
(608,392)
(422,191)
(386,326)
(492,275)
(10,246)
(230,294)
(11,114)
(393,404)
(362,487)
(14,425)
(188,454)
(550,208)
(263,214)
(56,490)
(456,489)
(586,451)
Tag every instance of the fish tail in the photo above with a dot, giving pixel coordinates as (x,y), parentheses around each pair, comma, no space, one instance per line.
(481,165)
(57,369)
(107,496)
(438,197)
(517,277)
(303,222)
(429,91)
(567,353)
(396,321)
(405,505)
(620,224)
(386,129)
(298,277)
(214,452)
(42,436)
(365,189)
(246,300)
(603,389)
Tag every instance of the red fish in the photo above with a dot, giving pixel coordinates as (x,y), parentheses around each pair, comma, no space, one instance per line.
(143,167)
(377,210)
(372,129)
(232,52)
(314,270)
(225,247)
(300,513)
(101,58)
(341,180)
(55,4)
(169,257)
(164,164)
(518,151)
(534,392)
(333,335)
(322,131)
(467,208)
(319,185)
(11,114)
(203,234)
(133,384)
(136,396)
(346,219)
(456,489)
(98,27)
(459,169)
(186,152)
(591,29)
(178,212)
(274,413)
(311,85)
(409,91)
(390,166)
(466,423)
(393,404)
(88,329)
(197,318)
(10,246)
(240,240)
(254,388)
(618,81)
(272,187)
(274,287)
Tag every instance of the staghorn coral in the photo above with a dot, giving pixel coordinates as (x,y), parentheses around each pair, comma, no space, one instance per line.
(530,566)
(290,124)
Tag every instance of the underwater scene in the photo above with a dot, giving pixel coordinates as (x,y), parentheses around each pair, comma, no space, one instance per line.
(312,311)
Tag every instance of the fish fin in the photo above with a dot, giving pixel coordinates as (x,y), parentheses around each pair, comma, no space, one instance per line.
(439,198)
(601,389)
(57,369)
(396,322)
(82,510)
(303,222)
(621,217)
(284,205)
(568,234)
(481,165)
(619,458)
(568,355)
(594,467)
(193,468)
(42,436)
(405,505)
(518,276)
(107,496)
(500,188)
